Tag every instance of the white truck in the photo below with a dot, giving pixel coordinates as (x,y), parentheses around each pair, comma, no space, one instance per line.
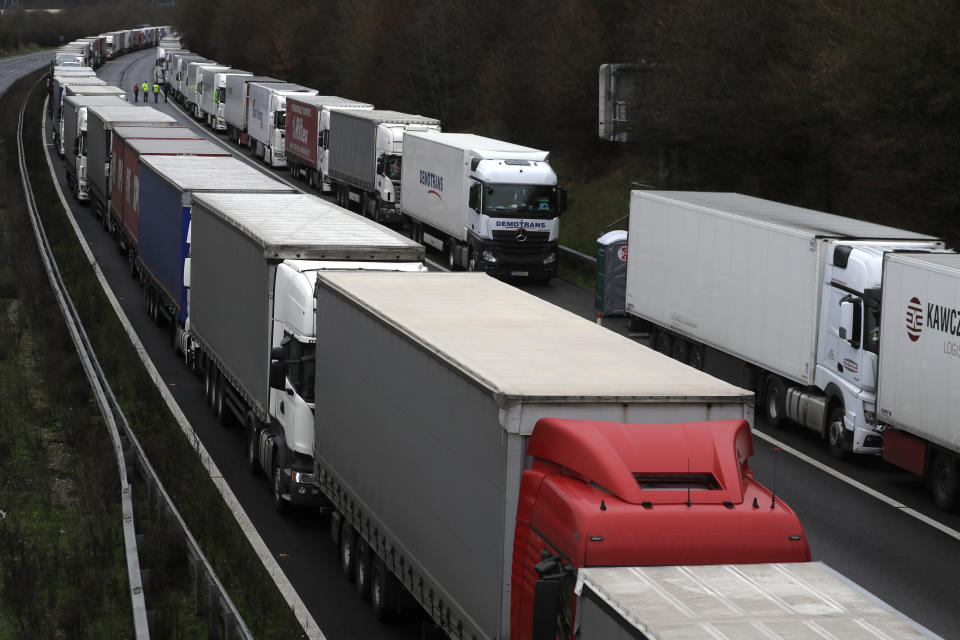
(235,105)
(254,259)
(488,205)
(366,154)
(267,118)
(787,600)
(195,87)
(308,126)
(213,95)
(769,296)
(920,369)
(105,90)
(178,73)
(73,139)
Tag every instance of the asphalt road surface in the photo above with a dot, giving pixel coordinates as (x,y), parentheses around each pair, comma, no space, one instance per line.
(904,560)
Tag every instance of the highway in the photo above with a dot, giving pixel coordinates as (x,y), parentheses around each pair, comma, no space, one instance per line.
(892,548)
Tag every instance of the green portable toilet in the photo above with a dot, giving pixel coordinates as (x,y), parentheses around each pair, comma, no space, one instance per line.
(611,288)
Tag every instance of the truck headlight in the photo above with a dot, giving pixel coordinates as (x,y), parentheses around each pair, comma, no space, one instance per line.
(301,478)
(488,256)
(550,259)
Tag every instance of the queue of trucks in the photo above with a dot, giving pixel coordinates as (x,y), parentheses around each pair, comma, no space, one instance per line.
(547,478)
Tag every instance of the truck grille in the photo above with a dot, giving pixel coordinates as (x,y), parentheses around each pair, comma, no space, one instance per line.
(511,236)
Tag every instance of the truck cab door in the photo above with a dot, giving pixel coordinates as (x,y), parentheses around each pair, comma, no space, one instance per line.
(849,329)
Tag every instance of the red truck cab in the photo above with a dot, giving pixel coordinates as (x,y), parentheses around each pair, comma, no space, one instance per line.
(614,494)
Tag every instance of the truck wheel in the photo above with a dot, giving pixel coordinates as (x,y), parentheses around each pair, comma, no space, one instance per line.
(837,434)
(348,552)
(945,482)
(680,350)
(382,587)
(253,464)
(774,395)
(452,254)
(362,579)
(472,261)
(208,383)
(132,263)
(662,341)
(222,412)
(377,212)
(279,504)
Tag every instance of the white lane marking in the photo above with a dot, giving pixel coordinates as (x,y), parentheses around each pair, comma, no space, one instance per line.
(289,593)
(953,533)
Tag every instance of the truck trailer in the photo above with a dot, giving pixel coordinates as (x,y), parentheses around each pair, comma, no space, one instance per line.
(235,107)
(254,259)
(768,296)
(466,431)
(308,125)
(366,154)
(920,368)
(798,600)
(487,205)
(101,121)
(73,140)
(195,87)
(81,90)
(213,96)
(168,185)
(266,118)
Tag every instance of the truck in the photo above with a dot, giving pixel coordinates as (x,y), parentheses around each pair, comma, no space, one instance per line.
(73,140)
(266,118)
(63,75)
(308,124)
(458,450)
(768,296)
(487,205)
(194,92)
(101,121)
(235,106)
(168,186)
(254,259)
(125,196)
(178,81)
(213,95)
(919,365)
(104,90)
(109,45)
(97,56)
(801,600)
(366,151)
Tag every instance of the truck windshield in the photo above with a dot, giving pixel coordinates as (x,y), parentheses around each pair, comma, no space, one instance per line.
(82,145)
(511,199)
(280,120)
(391,168)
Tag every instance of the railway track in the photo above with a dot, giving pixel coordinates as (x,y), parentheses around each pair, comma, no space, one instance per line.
(132,462)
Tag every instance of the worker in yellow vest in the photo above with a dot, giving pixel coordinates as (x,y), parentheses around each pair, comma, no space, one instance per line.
(156,91)
(144,88)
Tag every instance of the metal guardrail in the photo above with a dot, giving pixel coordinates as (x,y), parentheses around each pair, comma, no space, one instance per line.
(591,260)
(224,621)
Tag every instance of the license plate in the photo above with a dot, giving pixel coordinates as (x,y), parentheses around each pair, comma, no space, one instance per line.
(520,274)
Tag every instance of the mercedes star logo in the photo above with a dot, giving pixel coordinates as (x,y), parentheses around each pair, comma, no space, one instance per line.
(521,234)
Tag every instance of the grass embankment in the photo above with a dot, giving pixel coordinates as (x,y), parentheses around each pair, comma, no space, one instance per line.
(62,567)
(169,586)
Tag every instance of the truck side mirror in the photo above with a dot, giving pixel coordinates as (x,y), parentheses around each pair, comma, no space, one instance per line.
(277,369)
(849,328)
(546,605)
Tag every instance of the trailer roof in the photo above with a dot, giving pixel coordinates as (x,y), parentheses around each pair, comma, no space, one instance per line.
(182,146)
(795,600)
(942,261)
(284,86)
(156,132)
(133,115)
(785,216)
(332,102)
(485,148)
(92,101)
(522,347)
(309,228)
(391,117)
(104,90)
(212,174)
(73,71)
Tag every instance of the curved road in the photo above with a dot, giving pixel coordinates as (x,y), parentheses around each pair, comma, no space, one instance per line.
(901,559)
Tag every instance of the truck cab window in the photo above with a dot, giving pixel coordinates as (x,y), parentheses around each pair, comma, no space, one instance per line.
(299,361)
(521,199)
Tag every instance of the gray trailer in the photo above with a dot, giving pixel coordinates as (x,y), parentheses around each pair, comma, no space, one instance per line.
(795,600)
(235,105)
(425,402)
(100,123)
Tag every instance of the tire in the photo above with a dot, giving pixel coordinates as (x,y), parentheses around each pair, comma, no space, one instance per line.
(208,383)
(222,412)
(382,585)
(279,504)
(253,465)
(680,350)
(377,212)
(348,552)
(695,359)
(774,396)
(175,337)
(472,261)
(363,567)
(662,341)
(131,263)
(837,433)
(945,482)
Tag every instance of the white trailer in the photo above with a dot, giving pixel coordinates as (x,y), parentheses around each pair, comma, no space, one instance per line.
(792,600)
(194,90)
(266,119)
(73,138)
(235,107)
(488,205)
(920,369)
(769,296)
(214,94)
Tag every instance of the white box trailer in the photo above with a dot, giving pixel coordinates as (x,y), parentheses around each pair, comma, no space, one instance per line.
(235,107)
(195,84)
(178,81)
(919,369)
(266,118)
(213,95)
(490,205)
(425,402)
(791,600)
(756,292)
